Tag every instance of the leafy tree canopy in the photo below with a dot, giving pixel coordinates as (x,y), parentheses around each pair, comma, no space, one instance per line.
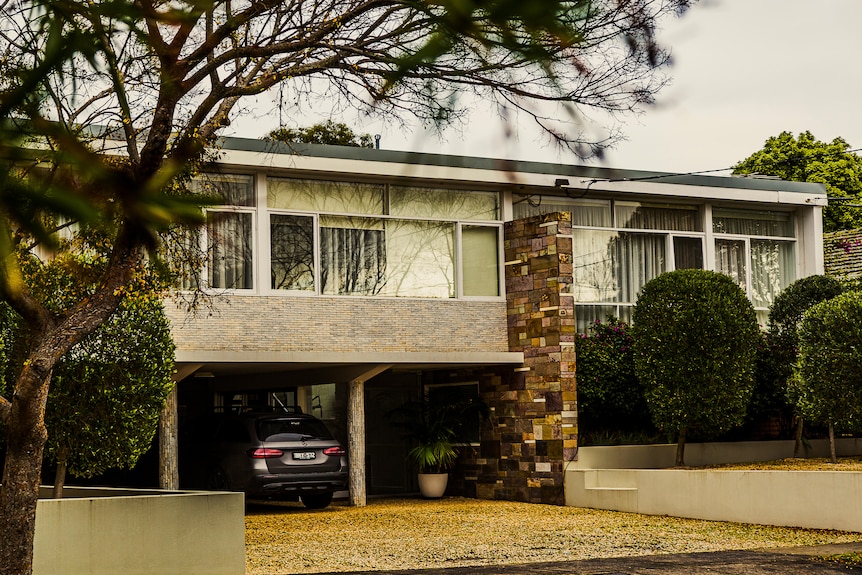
(329,132)
(807,159)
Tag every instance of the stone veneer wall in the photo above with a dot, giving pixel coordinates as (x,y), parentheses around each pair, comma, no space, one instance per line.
(533,429)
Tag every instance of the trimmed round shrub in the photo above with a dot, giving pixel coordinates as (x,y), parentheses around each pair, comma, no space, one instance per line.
(789,306)
(827,380)
(772,394)
(695,336)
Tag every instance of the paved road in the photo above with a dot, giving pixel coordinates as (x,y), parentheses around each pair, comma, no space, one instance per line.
(784,561)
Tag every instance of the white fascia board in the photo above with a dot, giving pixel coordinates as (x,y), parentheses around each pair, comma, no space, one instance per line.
(327,357)
(707,193)
(340,167)
(347,167)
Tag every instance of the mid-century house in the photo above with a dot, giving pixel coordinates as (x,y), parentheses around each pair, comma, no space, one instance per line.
(350,280)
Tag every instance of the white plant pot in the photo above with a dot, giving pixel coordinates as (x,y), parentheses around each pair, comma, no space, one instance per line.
(433,485)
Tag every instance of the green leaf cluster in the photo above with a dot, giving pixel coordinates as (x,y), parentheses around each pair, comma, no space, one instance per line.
(695,336)
(785,316)
(329,132)
(807,159)
(610,395)
(827,379)
(434,425)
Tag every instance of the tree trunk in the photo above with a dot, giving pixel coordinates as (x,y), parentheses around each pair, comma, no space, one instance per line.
(680,448)
(797,436)
(832,455)
(26,436)
(60,477)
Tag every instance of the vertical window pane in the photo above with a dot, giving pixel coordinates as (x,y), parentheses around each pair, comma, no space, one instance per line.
(292,252)
(773,268)
(593,277)
(730,259)
(182,247)
(352,256)
(687,253)
(480,261)
(416,202)
(420,259)
(655,217)
(324,196)
(638,259)
(229,256)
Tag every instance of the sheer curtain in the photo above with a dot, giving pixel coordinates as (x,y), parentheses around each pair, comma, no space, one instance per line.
(229,256)
(730,259)
(638,259)
(654,217)
(352,256)
(773,268)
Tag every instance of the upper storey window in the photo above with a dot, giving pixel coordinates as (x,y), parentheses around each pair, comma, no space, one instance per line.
(229,230)
(758,250)
(346,238)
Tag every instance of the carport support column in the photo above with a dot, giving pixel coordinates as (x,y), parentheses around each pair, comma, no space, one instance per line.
(356,432)
(169,475)
(356,441)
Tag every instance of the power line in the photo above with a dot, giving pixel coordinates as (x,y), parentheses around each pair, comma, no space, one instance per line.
(700,172)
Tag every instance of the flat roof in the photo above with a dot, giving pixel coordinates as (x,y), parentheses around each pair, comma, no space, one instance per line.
(585,174)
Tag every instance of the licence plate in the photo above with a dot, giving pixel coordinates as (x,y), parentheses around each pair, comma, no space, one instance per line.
(303,455)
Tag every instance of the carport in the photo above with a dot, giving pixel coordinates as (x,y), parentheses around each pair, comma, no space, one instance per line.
(224,372)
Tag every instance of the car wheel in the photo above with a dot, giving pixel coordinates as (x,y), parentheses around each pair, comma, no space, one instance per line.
(316,500)
(218,481)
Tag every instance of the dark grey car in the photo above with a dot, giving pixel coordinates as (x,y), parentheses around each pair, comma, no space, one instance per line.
(267,455)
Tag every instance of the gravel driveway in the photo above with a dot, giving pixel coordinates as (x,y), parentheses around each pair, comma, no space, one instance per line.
(414,534)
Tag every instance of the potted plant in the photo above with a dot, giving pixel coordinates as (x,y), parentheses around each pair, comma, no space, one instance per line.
(434,425)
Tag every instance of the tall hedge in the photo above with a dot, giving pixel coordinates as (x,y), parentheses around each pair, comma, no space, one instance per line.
(827,379)
(610,397)
(695,337)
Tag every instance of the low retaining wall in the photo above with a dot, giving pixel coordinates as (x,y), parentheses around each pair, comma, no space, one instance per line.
(102,531)
(810,499)
(696,454)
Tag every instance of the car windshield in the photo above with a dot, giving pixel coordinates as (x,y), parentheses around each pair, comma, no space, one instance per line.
(291,429)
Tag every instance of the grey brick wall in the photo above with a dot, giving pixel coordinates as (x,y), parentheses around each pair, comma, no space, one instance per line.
(341,324)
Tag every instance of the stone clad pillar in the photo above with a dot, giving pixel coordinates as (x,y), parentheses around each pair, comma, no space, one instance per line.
(535,412)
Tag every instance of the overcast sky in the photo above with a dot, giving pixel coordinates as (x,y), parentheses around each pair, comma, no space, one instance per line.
(743,70)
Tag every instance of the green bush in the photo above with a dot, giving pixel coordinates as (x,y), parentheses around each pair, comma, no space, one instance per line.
(695,338)
(789,306)
(774,392)
(827,380)
(610,396)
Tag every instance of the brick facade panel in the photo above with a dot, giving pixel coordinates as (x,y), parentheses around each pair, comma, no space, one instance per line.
(271,323)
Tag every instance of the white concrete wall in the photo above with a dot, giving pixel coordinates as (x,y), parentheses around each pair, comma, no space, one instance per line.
(111,532)
(810,499)
(637,479)
(696,454)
